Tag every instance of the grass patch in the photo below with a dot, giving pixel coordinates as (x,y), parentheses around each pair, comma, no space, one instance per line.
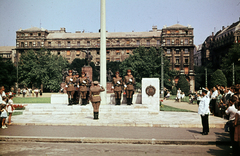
(32,100)
(172,109)
(17,113)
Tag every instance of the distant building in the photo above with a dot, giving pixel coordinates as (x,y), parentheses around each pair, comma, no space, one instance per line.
(176,40)
(8,53)
(198,55)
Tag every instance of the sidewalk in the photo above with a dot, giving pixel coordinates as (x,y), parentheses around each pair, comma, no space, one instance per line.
(181,105)
(129,135)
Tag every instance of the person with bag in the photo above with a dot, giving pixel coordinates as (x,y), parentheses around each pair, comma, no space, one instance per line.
(231,110)
(95,98)
(237,130)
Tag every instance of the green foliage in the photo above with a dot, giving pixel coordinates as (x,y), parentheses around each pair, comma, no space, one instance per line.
(8,74)
(183,84)
(218,78)
(41,67)
(231,57)
(146,63)
(174,90)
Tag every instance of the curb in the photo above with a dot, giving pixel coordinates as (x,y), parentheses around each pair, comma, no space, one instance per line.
(122,125)
(111,140)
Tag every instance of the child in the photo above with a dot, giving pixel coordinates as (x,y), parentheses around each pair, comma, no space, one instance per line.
(10,109)
(3,115)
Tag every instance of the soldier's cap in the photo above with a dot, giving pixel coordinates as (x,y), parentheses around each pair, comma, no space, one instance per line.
(76,74)
(205,90)
(95,82)
(70,71)
(129,70)
(117,72)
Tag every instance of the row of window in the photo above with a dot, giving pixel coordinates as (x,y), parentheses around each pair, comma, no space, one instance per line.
(176,42)
(30,34)
(177,60)
(177,51)
(98,52)
(177,32)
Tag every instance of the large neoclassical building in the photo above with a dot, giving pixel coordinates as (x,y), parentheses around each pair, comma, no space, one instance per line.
(176,40)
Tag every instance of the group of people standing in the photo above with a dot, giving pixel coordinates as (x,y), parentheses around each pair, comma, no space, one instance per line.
(29,92)
(223,100)
(6,108)
(85,90)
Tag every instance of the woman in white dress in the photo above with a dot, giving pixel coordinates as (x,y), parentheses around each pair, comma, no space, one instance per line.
(10,109)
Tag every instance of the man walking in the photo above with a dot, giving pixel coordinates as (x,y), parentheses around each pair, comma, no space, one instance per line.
(204,111)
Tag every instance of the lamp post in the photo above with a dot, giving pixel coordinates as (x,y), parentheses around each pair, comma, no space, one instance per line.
(162,64)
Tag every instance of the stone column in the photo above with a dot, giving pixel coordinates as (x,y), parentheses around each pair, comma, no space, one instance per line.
(103,65)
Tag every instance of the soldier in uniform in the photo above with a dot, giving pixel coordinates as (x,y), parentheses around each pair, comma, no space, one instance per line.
(117,87)
(129,81)
(88,88)
(70,80)
(95,98)
(204,111)
(83,82)
(76,85)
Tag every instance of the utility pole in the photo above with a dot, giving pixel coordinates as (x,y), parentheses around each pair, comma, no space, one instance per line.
(103,80)
(205,77)
(233,76)
(162,85)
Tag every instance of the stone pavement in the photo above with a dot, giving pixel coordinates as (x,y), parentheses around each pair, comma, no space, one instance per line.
(120,135)
(181,105)
(111,115)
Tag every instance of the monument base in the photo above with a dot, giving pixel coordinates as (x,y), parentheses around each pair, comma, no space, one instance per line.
(88,71)
(59,99)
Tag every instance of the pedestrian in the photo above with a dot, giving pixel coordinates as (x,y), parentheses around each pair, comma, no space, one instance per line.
(3,115)
(117,84)
(83,82)
(10,109)
(18,91)
(168,95)
(218,103)
(129,83)
(3,91)
(95,97)
(204,111)
(36,92)
(24,92)
(213,100)
(32,92)
(231,110)
(237,130)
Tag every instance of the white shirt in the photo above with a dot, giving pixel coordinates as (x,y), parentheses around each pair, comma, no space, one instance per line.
(214,94)
(1,99)
(232,111)
(204,106)
(183,95)
(3,94)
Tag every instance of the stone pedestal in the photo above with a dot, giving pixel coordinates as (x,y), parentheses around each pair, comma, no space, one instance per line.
(59,99)
(152,101)
(88,71)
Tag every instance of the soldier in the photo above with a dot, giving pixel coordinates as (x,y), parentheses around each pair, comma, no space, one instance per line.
(70,80)
(117,87)
(129,81)
(83,82)
(95,98)
(76,85)
(88,88)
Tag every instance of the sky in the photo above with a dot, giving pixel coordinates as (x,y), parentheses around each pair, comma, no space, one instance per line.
(205,16)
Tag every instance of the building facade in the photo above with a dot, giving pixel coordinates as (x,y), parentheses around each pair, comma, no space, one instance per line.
(198,55)
(8,52)
(176,40)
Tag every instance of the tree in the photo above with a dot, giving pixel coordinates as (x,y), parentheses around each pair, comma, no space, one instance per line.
(233,56)
(41,67)
(218,78)
(8,74)
(174,90)
(183,84)
(146,63)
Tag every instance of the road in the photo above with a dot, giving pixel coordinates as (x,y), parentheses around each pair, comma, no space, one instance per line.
(35,148)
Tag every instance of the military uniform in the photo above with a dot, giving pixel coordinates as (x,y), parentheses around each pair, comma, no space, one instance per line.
(77,92)
(129,82)
(70,80)
(95,98)
(83,82)
(204,111)
(117,84)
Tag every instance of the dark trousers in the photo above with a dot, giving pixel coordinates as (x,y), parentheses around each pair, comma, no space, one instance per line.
(233,143)
(205,123)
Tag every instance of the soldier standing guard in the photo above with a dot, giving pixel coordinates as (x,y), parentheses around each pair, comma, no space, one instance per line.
(117,87)
(83,82)
(70,80)
(129,81)
(95,98)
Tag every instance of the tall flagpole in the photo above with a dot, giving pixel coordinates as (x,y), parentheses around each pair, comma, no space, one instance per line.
(103,80)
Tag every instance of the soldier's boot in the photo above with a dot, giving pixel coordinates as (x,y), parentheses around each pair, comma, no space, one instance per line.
(128,101)
(119,101)
(116,101)
(95,115)
(69,102)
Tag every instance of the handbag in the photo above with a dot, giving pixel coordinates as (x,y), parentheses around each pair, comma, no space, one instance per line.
(227,126)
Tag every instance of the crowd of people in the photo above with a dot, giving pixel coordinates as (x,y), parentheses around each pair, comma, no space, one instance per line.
(29,92)
(7,108)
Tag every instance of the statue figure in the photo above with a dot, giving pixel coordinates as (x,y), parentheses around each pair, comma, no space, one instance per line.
(88,57)
(109,75)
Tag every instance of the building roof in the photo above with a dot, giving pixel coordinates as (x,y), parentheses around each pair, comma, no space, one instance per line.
(108,35)
(177,26)
(33,29)
(6,48)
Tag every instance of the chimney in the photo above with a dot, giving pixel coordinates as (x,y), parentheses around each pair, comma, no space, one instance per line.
(63,29)
(154,28)
(212,33)
(223,27)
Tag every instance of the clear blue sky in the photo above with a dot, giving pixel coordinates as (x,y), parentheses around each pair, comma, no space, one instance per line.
(121,15)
